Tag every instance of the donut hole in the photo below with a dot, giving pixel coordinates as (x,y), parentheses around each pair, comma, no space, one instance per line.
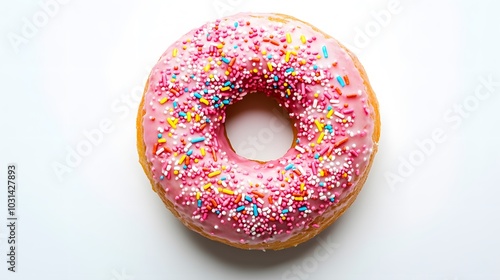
(257,128)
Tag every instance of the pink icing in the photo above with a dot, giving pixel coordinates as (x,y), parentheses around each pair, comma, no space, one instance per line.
(213,66)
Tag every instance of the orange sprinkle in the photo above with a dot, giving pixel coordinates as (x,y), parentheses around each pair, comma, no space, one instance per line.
(340,142)
(213,155)
(270,199)
(346,80)
(238,198)
(233,60)
(155,148)
(256,59)
(214,203)
(259,194)
(338,90)
(352,95)
(274,42)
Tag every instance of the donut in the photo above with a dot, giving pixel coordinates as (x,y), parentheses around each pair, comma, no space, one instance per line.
(246,203)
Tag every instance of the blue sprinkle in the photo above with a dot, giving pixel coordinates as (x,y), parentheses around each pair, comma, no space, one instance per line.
(255,211)
(240,89)
(332,199)
(269,56)
(248,198)
(341,81)
(226,101)
(325,52)
(186,89)
(297,141)
(241,208)
(185,166)
(322,184)
(162,177)
(289,166)
(190,152)
(215,98)
(182,114)
(160,135)
(284,211)
(329,108)
(303,208)
(316,156)
(226,60)
(197,95)
(315,67)
(205,91)
(197,139)
(223,178)
(289,70)
(236,24)
(276,78)
(217,212)
(192,76)
(199,202)
(235,46)
(207,83)
(228,83)
(216,105)
(232,86)
(174,76)
(175,104)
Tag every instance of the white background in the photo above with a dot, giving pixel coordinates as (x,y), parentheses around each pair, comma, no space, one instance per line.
(87,64)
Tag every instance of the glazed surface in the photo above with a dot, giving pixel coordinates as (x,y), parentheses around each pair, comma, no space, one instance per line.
(223,194)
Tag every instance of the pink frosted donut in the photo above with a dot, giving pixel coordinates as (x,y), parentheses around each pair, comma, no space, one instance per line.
(225,197)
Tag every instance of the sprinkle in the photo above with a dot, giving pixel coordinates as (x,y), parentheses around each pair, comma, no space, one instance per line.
(341,81)
(172,122)
(284,211)
(289,70)
(330,113)
(289,166)
(303,208)
(238,198)
(182,114)
(248,198)
(163,100)
(352,95)
(225,88)
(288,38)
(176,104)
(162,140)
(181,160)
(213,174)
(174,52)
(287,56)
(189,153)
(199,203)
(227,191)
(204,101)
(270,66)
(197,95)
(198,139)
(207,185)
(300,149)
(202,151)
(240,208)
(303,39)
(255,210)
(274,42)
(299,198)
(325,51)
(338,114)
(259,194)
(318,125)
(340,142)
(226,60)
(320,138)
(207,68)
(346,79)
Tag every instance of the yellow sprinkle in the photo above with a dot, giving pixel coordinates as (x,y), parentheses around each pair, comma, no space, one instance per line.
(316,95)
(176,172)
(288,91)
(163,100)
(255,70)
(210,59)
(302,185)
(287,56)
(181,160)
(321,173)
(198,195)
(344,175)
(294,53)
(219,46)
(223,167)
(270,66)
(213,174)
(204,101)
(227,191)
(227,73)
(162,140)
(202,150)
(264,52)
(318,56)
(296,47)
(211,76)
(207,185)
(303,39)
(197,118)
(299,198)
(294,73)
(288,38)
(184,47)
(219,62)
(303,62)
(330,113)
(196,160)
(172,123)
(320,138)
(176,154)
(225,88)
(207,68)
(174,52)
(189,117)
(319,125)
